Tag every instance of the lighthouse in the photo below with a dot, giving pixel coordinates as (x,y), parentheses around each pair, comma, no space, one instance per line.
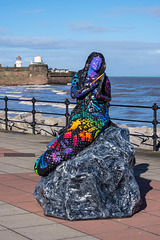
(18,62)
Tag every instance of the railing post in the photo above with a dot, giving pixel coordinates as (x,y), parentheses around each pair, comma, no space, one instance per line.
(33,115)
(67,112)
(155,122)
(6,112)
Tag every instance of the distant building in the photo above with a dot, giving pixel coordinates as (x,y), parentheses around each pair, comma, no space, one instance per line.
(59,70)
(37,60)
(18,62)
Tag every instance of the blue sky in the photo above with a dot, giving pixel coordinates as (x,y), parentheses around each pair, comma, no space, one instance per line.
(65,32)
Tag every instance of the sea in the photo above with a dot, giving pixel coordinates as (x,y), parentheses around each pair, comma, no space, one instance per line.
(130,91)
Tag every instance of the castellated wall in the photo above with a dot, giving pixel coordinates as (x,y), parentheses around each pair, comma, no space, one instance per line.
(34,74)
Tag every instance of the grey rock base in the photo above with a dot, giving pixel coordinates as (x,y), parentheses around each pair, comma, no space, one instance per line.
(97,183)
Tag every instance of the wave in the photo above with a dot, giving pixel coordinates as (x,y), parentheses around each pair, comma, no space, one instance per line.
(12,92)
(38,87)
(10,95)
(24,98)
(16,113)
(57,105)
(59,92)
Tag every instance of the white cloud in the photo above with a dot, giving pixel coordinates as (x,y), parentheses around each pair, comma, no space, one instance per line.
(154,11)
(122,57)
(156,51)
(88,26)
(121,11)
(42,24)
(69,44)
(3,30)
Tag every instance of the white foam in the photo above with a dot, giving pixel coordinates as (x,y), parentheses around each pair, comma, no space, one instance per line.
(13,92)
(10,95)
(25,103)
(37,87)
(23,98)
(16,113)
(57,105)
(59,92)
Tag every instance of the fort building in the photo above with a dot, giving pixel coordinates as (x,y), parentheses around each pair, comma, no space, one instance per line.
(37,73)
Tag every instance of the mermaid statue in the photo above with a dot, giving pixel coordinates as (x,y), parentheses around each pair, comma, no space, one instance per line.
(91,88)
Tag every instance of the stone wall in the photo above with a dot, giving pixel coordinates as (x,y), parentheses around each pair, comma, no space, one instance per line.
(38,74)
(34,74)
(60,78)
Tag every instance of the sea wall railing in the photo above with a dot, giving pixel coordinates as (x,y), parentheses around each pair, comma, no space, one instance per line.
(33,111)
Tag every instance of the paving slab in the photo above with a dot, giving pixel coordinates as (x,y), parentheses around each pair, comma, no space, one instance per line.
(12,235)
(54,231)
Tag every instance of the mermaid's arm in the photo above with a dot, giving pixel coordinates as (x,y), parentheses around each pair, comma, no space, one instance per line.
(106,95)
(79,93)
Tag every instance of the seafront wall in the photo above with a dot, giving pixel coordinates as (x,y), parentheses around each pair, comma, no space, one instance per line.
(35,74)
(60,78)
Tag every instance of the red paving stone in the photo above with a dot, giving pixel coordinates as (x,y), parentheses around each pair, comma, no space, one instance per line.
(31,206)
(152,205)
(5,150)
(18,190)
(128,235)
(31,176)
(153,229)
(155,184)
(12,195)
(93,227)
(57,220)
(153,194)
(155,213)
(140,220)
(21,184)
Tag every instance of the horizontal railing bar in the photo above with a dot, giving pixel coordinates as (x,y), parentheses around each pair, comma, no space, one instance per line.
(16,110)
(113,105)
(45,101)
(131,120)
(30,100)
(118,105)
(15,99)
(11,120)
(141,135)
(51,113)
(43,124)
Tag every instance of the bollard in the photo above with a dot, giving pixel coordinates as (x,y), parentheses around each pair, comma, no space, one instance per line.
(67,113)
(33,115)
(6,112)
(155,122)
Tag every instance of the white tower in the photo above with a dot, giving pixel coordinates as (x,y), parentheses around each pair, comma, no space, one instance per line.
(38,60)
(18,62)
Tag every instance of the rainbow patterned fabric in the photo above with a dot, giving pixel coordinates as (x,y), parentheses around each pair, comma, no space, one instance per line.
(88,119)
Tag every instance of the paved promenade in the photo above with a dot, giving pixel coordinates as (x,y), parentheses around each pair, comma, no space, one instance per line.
(22,218)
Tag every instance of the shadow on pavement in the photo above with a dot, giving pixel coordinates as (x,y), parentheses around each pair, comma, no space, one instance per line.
(144,184)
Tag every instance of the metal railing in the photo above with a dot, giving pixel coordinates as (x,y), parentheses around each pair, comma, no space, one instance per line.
(33,124)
